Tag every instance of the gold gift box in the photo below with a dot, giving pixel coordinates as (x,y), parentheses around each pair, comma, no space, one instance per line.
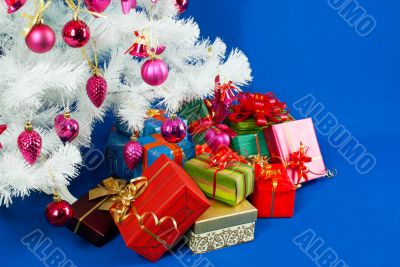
(223,226)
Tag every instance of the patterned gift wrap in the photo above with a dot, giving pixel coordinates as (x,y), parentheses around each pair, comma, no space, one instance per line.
(230,185)
(193,112)
(248,126)
(250,144)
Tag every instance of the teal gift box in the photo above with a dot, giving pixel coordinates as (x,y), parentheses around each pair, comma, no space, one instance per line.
(153,147)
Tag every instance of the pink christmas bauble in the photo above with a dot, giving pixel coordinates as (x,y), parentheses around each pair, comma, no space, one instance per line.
(76,33)
(40,39)
(96,89)
(173,129)
(217,139)
(181,5)
(14,5)
(98,6)
(154,72)
(133,153)
(66,128)
(58,213)
(30,144)
(127,5)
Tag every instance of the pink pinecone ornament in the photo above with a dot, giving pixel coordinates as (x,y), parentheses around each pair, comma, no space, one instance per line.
(133,153)
(30,144)
(96,88)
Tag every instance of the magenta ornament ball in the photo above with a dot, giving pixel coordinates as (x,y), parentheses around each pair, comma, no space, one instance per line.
(154,72)
(217,139)
(58,213)
(132,153)
(67,129)
(181,5)
(96,89)
(173,130)
(98,6)
(40,39)
(76,33)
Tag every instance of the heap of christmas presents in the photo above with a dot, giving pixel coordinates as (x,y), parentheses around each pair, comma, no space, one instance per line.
(243,158)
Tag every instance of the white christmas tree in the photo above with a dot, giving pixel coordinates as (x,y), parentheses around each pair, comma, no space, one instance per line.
(36,87)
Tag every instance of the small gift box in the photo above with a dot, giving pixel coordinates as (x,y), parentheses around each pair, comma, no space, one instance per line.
(250,144)
(223,226)
(230,181)
(158,208)
(91,219)
(274,193)
(296,146)
(152,125)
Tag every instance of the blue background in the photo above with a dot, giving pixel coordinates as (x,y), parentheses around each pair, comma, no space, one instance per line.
(295,48)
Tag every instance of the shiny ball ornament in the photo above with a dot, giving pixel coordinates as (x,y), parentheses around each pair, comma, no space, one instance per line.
(173,129)
(66,128)
(30,144)
(76,33)
(58,212)
(40,39)
(181,5)
(217,139)
(133,153)
(96,89)
(154,72)
(98,6)
(14,5)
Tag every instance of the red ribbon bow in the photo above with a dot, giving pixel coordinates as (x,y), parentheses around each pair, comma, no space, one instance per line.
(224,93)
(263,107)
(3,127)
(225,158)
(297,161)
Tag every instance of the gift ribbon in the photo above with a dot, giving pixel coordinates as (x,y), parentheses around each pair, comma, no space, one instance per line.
(224,93)
(124,204)
(93,65)
(156,114)
(3,127)
(39,6)
(160,141)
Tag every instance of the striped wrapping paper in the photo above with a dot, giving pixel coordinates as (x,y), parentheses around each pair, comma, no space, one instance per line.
(248,126)
(192,112)
(232,185)
(250,144)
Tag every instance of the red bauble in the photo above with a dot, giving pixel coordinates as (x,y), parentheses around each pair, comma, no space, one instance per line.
(58,212)
(76,33)
(30,144)
(133,153)
(181,5)
(40,39)
(14,5)
(173,129)
(96,88)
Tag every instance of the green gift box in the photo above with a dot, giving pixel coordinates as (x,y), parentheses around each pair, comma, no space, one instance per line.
(230,185)
(248,126)
(194,112)
(250,144)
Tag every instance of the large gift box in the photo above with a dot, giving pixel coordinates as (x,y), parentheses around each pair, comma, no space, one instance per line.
(153,147)
(296,146)
(162,205)
(223,226)
(91,220)
(230,185)
(250,144)
(274,193)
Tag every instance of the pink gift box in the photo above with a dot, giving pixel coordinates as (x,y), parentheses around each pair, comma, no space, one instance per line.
(286,138)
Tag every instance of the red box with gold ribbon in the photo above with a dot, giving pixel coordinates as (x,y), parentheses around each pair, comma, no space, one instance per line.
(296,146)
(274,193)
(158,208)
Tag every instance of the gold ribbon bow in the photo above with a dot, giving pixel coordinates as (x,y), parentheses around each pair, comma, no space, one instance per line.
(40,6)
(154,112)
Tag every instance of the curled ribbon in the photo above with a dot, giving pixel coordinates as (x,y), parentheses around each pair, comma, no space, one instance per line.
(265,108)
(224,92)
(297,161)
(225,158)
(40,6)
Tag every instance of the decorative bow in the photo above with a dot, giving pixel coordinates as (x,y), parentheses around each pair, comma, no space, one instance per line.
(3,127)
(297,161)
(201,149)
(225,158)
(224,95)
(40,6)
(264,108)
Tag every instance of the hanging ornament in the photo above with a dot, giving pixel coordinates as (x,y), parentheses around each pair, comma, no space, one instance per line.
(67,129)
(181,5)
(58,212)
(224,95)
(3,127)
(139,47)
(98,6)
(96,86)
(30,144)
(173,129)
(14,5)
(160,49)
(133,153)
(154,72)
(128,5)
(217,139)
(39,37)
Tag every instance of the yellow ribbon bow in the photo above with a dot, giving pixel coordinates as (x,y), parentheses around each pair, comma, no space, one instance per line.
(40,6)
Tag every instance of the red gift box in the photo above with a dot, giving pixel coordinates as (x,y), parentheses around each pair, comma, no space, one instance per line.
(274,193)
(166,204)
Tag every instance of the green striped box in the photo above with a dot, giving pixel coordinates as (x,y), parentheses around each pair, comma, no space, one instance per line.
(248,126)
(192,112)
(246,144)
(232,185)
